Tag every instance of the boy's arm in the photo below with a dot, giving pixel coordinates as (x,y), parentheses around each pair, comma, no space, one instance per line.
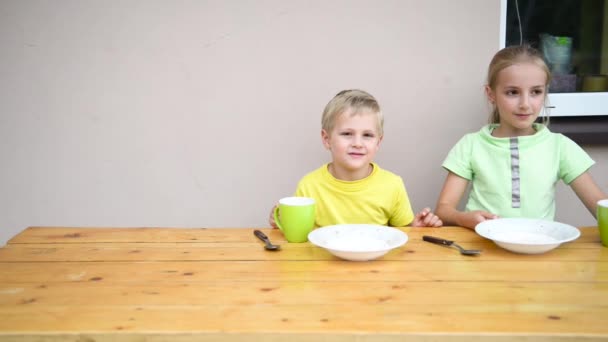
(588,191)
(271,221)
(453,190)
(426,218)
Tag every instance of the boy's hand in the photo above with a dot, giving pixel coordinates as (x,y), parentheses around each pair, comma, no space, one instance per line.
(426,218)
(271,218)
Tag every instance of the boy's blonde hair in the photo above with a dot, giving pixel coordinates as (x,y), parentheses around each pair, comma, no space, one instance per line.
(351,102)
(509,56)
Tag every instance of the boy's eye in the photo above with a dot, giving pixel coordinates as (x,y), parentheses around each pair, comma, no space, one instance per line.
(345,133)
(511,92)
(368,135)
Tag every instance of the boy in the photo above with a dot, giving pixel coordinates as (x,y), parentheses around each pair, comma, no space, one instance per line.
(352,188)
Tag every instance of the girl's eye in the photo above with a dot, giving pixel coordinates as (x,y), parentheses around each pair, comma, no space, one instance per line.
(538,92)
(511,92)
(368,135)
(345,133)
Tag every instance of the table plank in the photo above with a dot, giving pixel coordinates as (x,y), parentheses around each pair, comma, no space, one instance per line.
(297,271)
(329,292)
(268,336)
(302,318)
(142,244)
(415,250)
(224,235)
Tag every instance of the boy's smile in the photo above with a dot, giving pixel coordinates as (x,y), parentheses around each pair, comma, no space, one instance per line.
(356,154)
(353,143)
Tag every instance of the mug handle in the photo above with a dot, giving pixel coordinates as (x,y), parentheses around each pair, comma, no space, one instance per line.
(276,218)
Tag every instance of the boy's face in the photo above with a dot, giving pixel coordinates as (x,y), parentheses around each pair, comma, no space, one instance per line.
(353,143)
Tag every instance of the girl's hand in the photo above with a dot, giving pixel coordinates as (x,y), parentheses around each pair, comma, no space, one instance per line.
(426,218)
(472,218)
(271,217)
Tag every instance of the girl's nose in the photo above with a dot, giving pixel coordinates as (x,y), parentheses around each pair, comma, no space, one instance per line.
(524,101)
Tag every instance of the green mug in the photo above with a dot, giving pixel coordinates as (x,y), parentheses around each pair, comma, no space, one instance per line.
(295,216)
(602,220)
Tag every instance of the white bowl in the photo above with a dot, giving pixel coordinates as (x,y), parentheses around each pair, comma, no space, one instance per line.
(527,236)
(357,242)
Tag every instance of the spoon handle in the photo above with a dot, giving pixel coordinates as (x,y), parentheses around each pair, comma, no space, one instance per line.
(261,236)
(437,240)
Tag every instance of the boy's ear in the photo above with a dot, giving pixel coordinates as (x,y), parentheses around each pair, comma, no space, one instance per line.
(325,138)
(490,94)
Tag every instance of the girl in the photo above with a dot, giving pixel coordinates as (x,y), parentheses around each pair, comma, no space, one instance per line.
(514,163)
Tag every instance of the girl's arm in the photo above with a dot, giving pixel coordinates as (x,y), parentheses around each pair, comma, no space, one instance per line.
(447,204)
(587,191)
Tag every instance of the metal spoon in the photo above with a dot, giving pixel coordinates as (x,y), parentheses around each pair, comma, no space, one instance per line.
(449,243)
(269,246)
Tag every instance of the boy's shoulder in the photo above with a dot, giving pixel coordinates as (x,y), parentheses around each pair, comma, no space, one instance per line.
(384,172)
(378,172)
(316,173)
(385,175)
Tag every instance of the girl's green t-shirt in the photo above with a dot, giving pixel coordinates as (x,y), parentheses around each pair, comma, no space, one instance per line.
(516,177)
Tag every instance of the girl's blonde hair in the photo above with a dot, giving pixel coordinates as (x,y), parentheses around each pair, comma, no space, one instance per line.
(512,55)
(351,102)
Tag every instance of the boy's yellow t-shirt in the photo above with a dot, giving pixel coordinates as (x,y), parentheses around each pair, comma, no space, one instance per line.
(380,198)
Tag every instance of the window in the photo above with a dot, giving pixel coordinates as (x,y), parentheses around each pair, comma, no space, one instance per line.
(573,36)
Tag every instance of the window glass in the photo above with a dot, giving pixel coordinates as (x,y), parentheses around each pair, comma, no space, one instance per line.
(573,36)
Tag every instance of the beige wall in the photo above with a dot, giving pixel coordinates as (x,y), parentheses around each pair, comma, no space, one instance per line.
(204,113)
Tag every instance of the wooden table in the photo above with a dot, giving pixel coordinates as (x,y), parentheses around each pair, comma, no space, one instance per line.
(170,284)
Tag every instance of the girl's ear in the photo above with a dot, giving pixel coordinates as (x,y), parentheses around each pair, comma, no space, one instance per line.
(325,139)
(490,94)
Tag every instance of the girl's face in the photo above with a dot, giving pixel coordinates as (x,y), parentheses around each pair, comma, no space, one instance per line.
(519,96)
(353,143)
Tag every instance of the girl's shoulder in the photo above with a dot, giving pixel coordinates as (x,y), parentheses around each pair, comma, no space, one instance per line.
(479,136)
(544,134)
